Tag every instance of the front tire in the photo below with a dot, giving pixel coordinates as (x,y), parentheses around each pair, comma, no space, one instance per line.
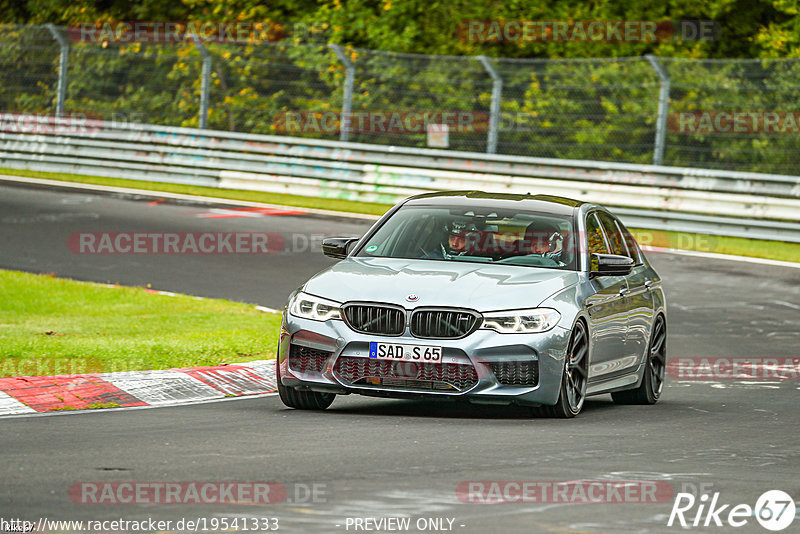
(649,390)
(573,379)
(301,400)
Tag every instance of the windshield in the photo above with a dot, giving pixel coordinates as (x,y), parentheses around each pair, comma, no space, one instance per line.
(469,234)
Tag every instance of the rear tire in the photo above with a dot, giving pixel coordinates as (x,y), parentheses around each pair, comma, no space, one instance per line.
(649,390)
(573,379)
(301,400)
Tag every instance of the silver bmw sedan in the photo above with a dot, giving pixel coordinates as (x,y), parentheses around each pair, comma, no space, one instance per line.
(488,298)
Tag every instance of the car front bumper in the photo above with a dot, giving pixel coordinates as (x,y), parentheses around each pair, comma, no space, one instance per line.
(482,367)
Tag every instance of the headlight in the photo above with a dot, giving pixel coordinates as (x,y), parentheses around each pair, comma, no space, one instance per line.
(314,308)
(521,321)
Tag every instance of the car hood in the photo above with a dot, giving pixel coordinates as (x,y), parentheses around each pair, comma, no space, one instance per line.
(482,287)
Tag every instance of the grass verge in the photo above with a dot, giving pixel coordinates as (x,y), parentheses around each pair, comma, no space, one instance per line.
(738,246)
(52,326)
(774,250)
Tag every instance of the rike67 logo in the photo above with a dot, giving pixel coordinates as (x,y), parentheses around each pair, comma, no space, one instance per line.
(774,510)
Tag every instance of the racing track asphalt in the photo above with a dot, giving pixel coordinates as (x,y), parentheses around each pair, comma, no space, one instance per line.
(396,458)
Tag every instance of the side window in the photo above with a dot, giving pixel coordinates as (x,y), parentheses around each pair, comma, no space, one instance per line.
(613,234)
(633,246)
(594,236)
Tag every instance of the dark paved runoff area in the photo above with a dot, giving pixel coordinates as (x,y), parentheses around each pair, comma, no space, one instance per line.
(36,224)
(371,458)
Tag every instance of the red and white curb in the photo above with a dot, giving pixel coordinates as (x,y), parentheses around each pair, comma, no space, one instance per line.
(37,394)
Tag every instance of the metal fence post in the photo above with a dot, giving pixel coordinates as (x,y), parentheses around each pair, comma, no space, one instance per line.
(62,69)
(347,97)
(205,82)
(663,106)
(494,111)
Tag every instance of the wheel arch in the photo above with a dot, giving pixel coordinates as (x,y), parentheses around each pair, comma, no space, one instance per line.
(580,317)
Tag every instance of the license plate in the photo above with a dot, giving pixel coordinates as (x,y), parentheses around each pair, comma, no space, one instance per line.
(398,351)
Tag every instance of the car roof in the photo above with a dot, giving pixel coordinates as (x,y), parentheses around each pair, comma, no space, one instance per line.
(541,203)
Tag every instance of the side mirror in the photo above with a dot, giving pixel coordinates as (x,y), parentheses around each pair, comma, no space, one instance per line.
(610,265)
(336,247)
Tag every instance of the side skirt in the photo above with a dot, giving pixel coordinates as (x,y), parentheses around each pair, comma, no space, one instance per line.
(628,381)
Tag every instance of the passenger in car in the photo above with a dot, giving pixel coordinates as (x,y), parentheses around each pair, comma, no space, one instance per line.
(544,241)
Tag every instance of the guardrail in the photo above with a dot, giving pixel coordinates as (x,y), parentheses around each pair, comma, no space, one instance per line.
(763,206)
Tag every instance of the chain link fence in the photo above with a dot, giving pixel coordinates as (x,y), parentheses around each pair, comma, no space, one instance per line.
(725,114)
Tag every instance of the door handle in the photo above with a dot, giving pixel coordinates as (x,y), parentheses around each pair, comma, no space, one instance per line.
(648,283)
(623,291)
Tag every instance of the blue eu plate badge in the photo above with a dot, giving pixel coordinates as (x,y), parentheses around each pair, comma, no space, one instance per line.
(373,349)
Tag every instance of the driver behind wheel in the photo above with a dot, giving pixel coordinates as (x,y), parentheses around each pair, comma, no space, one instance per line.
(456,239)
(456,236)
